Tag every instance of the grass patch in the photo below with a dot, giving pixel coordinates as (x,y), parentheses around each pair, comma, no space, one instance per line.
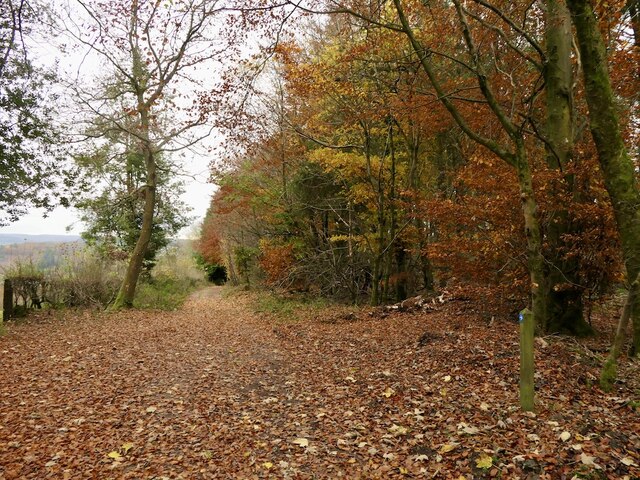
(165,292)
(230,291)
(287,307)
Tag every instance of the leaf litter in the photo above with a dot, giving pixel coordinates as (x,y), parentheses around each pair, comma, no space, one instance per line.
(217,391)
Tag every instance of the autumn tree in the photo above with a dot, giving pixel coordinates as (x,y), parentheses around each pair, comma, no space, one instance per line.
(150,51)
(379,120)
(500,60)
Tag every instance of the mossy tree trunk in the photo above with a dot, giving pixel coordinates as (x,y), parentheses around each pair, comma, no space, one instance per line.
(615,161)
(533,234)
(563,294)
(609,371)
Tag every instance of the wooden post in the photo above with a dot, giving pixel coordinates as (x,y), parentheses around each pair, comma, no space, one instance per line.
(7,300)
(527,327)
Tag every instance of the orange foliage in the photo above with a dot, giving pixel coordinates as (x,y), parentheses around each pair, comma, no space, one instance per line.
(276,262)
(209,243)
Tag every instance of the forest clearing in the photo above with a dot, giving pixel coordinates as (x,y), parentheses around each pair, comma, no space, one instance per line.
(215,390)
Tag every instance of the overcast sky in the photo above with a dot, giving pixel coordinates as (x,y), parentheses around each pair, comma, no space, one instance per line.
(83,64)
(197,195)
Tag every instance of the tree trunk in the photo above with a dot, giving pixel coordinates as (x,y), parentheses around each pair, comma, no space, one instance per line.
(127,291)
(534,239)
(563,295)
(413,146)
(615,161)
(609,370)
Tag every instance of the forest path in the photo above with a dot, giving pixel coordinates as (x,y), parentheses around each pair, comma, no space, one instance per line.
(172,387)
(214,390)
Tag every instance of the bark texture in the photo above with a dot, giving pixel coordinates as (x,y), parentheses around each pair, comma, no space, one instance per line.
(564,306)
(615,161)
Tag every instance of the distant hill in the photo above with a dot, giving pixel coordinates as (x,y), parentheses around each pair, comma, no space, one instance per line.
(13,238)
(44,250)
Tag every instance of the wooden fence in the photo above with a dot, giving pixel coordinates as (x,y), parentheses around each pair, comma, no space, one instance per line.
(21,294)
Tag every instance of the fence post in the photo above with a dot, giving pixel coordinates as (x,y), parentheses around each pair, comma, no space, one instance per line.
(7,300)
(527,327)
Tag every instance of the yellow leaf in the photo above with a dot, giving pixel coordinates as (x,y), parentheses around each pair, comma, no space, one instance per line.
(484,461)
(398,430)
(447,447)
(403,470)
(115,455)
(126,447)
(267,465)
(388,392)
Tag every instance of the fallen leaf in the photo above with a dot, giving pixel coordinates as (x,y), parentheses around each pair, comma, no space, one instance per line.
(267,465)
(303,442)
(484,461)
(564,436)
(398,430)
(388,392)
(587,459)
(126,447)
(115,455)
(151,409)
(447,447)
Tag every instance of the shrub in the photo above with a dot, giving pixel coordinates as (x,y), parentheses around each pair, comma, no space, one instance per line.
(80,278)
(164,292)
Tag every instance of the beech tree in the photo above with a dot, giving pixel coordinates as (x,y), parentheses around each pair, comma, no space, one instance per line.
(489,35)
